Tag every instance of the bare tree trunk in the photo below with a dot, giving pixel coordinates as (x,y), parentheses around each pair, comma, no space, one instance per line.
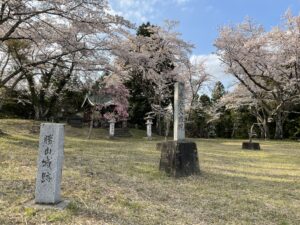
(266,129)
(262,131)
(279,126)
(40,112)
(37,115)
(235,127)
(190,109)
(262,120)
(167,129)
(91,125)
(159,124)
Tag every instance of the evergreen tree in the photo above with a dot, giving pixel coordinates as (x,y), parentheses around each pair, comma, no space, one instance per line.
(142,90)
(218,91)
(197,126)
(224,126)
(143,30)
(205,100)
(139,88)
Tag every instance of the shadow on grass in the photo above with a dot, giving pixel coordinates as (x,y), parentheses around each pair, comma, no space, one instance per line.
(101,214)
(3,134)
(25,141)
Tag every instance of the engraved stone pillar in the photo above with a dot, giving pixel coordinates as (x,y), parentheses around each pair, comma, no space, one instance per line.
(149,123)
(179,120)
(179,157)
(50,162)
(112,123)
(149,128)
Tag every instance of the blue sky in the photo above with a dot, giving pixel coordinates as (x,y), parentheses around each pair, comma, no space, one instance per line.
(200,19)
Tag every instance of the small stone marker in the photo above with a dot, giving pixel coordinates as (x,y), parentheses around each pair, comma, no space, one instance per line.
(179,127)
(112,123)
(50,161)
(149,127)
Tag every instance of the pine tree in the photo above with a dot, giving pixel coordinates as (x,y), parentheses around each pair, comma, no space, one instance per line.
(218,91)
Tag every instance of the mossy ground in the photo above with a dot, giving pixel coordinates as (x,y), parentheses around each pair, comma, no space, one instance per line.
(118,182)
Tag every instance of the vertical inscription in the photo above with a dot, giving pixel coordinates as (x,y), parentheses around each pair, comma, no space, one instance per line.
(179,115)
(51,147)
(46,159)
(112,123)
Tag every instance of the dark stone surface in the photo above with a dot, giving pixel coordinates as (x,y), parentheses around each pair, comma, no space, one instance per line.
(75,121)
(178,158)
(122,132)
(251,146)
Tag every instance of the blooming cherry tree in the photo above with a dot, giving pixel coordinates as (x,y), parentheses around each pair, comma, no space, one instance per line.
(44,44)
(265,63)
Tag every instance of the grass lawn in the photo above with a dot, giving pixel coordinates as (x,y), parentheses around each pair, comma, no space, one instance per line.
(118,182)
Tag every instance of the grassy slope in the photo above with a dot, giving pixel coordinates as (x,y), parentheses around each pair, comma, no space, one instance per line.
(117,182)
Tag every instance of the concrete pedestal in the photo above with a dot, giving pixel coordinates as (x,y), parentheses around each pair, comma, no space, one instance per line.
(178,158)
(251,146)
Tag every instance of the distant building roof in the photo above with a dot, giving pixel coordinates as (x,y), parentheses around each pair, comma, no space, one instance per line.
(93,100)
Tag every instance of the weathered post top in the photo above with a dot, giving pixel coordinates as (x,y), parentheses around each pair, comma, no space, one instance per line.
(50,161)
(179,120)
(113,120)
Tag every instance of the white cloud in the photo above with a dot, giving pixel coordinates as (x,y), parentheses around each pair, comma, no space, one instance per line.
(143,10)
(137,10)
(217,69)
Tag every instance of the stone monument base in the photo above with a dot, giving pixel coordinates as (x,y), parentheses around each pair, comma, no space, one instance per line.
(148,138)
(111,137)
(251,146)
(178,158)
(59,206)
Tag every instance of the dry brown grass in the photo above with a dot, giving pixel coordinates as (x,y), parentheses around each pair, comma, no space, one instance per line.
(118,182)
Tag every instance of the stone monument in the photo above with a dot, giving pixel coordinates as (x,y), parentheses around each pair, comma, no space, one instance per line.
(112,123)
(149,127)
(179,157)
(50,162)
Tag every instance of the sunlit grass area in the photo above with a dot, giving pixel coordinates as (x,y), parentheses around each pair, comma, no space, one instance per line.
(118,181)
